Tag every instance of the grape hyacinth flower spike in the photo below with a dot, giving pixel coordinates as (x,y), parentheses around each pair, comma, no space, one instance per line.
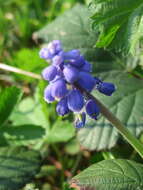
(69,77)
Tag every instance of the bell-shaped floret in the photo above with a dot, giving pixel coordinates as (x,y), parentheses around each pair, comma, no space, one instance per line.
(87,67)
(49,73)
(79,62)
(80,120)
(57,60)
(54,47)
(75,100)
(92,109)
(62,107)
(71,74)
(106,88)
(47,94)
(73,54)
(59,89)
(86,81)
(45,54)
(58,46)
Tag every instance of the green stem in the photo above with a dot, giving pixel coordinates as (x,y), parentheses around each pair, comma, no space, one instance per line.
(76,164)
(107,155)
(19,71)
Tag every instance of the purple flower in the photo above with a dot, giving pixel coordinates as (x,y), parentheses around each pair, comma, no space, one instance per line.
(54,47)
(92,109)
(57,60)
(71,70)
(49,73)
(87,67)
(59,89)
(45,54)
(79,62)
(58,46)
(86,81)
(75,101)
(106,88)
(73,54)
(71,74)
(80,120)
(62,107)
(47,94)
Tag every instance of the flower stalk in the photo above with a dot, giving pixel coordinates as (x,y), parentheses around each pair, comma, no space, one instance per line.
(130,138)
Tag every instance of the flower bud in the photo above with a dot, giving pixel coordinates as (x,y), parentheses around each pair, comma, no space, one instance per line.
(49,73)
(80,120)
(57,45)
(106,88)
(75,100)
(57,60)
(54,47)
(47,94)
(86,81)
(45,54)
(71,74)
(92,109)
(62,107)
(59,89)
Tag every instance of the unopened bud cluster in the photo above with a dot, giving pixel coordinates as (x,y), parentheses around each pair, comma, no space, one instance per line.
(66,70)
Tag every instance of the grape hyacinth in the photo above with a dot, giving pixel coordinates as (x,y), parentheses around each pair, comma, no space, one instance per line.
(69,75)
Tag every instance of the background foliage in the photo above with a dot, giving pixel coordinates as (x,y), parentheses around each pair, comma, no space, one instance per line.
(42,151)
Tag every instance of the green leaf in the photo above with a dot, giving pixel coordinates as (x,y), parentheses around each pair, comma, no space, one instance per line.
(73,28)
(110,175)
(126,103)
(29,60)
(18,166)
(29,111)
(72,147)
(120,23)
(8,99)
(61,132)
(20,135)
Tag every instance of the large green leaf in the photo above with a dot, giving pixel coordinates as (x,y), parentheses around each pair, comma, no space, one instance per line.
(110,175)
(8,99)
(126,103)
(120,23)
(20,135)
(73,28)
(29,111)
(18,166)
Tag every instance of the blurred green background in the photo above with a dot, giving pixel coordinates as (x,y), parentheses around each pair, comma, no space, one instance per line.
(34,123)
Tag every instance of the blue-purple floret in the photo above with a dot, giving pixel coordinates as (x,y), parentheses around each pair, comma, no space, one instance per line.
(47,94)
(49,73)
(80,120)
(69,75)
(62,107)
(75,100)
(92,109)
